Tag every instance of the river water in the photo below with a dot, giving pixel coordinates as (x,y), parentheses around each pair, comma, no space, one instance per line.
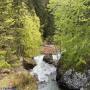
(50,85)
(46,73)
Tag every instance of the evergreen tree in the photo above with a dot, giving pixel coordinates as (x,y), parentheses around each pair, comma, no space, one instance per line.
(5,22)
(27,25)
(19,30)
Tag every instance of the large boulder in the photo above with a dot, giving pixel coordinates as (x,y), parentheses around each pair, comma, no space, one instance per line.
(71,79)
(48,58)
(28,63)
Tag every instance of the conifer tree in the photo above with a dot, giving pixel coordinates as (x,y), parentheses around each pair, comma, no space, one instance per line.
(27,25)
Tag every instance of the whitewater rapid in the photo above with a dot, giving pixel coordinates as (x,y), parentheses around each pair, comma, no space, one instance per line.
(43,69)
(46,73)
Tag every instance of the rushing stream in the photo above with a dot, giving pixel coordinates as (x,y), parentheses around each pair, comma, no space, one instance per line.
(50,85)
(46,73)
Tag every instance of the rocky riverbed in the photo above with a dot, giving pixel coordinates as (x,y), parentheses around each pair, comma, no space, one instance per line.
(47,80)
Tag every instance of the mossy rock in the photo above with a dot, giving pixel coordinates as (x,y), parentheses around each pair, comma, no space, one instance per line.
(30,61)
(48,58)
(81,65)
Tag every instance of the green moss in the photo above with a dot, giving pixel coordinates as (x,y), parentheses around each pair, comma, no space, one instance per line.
(4,64)
(81,65)
(2,52)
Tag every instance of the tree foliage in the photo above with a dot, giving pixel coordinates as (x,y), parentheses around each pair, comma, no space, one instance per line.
(27,27)
(19,29)
(72,20)
(46,19)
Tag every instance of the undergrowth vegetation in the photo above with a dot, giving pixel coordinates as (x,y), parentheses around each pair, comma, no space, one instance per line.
(20,81)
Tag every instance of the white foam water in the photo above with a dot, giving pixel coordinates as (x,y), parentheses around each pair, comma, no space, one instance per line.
(46,73)
(42,70)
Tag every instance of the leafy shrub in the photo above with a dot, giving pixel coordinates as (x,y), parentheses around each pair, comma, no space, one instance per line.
(31,37)
(28,36)
(72,30)
(81,65)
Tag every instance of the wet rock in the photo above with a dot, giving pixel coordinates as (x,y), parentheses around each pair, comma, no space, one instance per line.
(88,75)
(71,79)
(48,59)
(28,63)
(5,71)
(74,79)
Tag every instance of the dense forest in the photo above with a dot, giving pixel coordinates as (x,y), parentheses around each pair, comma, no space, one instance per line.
(26,26)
